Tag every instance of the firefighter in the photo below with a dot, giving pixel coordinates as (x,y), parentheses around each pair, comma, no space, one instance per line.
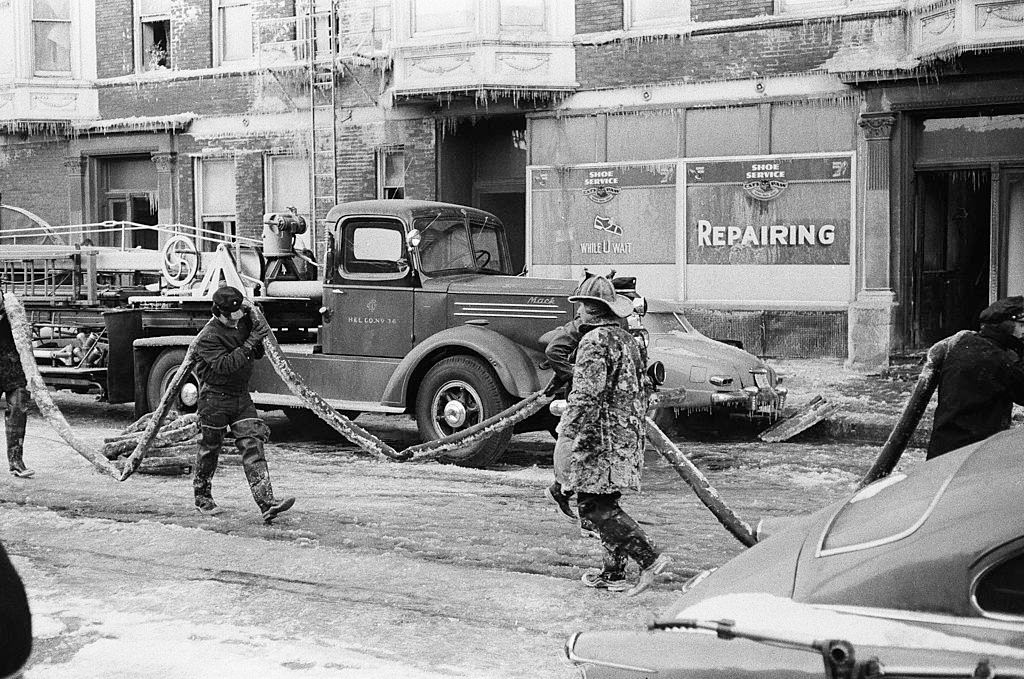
(13,385)
(560,350)
(605,419)
(227,348)
(981,377)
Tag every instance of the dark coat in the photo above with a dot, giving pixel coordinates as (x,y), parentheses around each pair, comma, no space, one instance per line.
(224,361)
(981,377)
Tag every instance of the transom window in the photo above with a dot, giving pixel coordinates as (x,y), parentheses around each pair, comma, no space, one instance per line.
(51,37)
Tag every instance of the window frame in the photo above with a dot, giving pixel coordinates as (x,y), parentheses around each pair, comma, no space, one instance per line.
(629,24)
(825,7)
(70,21)
(355,222)
(305,240)
(138,19)
(201,218)
(217,32)
(382,186)
(472,26)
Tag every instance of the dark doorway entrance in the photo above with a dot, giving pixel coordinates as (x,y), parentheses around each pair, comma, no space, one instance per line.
(482,163)
(952,251)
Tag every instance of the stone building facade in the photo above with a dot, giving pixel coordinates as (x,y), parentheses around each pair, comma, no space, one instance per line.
(813,177)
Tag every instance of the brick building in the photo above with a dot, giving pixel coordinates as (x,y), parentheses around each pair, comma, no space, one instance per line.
(813,177)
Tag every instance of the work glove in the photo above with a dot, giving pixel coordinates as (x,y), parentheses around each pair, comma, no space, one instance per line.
(260,327)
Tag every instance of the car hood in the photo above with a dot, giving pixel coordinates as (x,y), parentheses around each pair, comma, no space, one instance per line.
(502,285)
(789,631)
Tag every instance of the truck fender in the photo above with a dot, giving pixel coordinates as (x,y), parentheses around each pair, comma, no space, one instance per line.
(511,362)
(145,350)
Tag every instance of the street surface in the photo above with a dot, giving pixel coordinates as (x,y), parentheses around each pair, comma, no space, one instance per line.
(380,570)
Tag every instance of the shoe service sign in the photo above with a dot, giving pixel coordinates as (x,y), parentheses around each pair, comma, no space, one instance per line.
(607,214)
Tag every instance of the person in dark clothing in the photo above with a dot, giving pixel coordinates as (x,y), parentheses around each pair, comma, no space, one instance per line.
(15,620)
(13,385)
(605,419)
(227,348)
(981,377)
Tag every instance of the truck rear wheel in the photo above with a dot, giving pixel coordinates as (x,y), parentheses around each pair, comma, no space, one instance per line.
(457,393)
(160,376)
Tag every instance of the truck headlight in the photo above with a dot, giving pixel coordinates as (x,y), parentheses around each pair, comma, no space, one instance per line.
(640,306)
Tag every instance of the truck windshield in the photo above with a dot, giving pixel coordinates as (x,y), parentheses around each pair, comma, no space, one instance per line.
(447,246)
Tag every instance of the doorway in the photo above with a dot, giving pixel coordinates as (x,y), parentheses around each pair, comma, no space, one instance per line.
(952,243)
(482,163)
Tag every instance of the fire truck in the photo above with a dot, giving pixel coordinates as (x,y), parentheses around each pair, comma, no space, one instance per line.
(413,309)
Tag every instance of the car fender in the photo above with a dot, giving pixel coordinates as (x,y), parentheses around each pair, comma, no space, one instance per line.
(512,363)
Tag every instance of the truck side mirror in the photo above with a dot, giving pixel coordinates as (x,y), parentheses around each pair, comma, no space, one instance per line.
(413,239)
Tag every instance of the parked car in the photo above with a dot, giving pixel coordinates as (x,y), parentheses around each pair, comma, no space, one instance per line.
(720,378)
(918,574)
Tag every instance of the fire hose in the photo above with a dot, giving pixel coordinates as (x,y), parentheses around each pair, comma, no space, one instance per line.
(343,425)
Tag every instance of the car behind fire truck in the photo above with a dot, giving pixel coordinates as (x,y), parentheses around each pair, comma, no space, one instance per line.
(415,309)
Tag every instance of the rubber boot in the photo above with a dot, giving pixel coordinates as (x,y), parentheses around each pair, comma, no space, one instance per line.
(15,421)
(206,466)
(258,475)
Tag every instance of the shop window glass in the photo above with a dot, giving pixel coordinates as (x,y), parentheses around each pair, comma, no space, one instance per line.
(655,13)
(234,30)
(451,16)
(216,201)
(51,36)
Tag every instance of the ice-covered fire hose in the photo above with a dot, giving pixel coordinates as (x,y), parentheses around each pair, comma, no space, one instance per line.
(449,445)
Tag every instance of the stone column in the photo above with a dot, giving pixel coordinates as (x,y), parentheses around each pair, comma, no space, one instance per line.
(871,315)
(166,162)
(75,166)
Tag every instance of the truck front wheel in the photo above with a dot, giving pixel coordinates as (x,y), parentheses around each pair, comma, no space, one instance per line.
(457,393)
(160,376)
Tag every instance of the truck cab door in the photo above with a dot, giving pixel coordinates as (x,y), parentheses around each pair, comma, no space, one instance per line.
(368,294)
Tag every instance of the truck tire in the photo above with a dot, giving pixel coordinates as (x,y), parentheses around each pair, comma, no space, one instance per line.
(458,392)
(161,374)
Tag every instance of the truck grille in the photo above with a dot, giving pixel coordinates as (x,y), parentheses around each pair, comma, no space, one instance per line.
(503,310)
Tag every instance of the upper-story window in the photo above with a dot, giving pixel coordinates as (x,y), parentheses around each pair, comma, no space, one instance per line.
(233,31)
(523,15)
(152,34)
(452,16)
(51,37)
(639,14)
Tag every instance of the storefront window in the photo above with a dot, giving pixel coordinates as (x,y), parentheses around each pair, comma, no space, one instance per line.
(51,35)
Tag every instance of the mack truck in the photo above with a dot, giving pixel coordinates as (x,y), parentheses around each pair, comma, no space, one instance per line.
(412,309)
